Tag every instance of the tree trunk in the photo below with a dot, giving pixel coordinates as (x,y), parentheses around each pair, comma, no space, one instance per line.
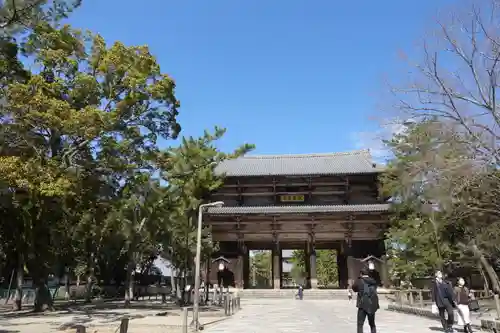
(178,285)
(67,286)
(485,279)
(129,285)
(172,281)
(495,283)
(90,278)
(18,298)
(43,299)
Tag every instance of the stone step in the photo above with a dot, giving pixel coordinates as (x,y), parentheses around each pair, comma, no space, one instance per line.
(290,293)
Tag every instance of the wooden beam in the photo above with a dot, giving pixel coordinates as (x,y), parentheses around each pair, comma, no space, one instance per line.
(284,184)
(269,193)
(288,222)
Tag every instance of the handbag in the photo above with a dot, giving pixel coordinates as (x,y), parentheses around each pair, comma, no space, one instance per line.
(434,309)
(473,305)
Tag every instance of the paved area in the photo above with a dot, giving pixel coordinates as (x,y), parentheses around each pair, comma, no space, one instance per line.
(316,316)
(150,317)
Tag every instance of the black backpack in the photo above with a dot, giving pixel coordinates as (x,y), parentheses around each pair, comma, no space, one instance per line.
(367,295)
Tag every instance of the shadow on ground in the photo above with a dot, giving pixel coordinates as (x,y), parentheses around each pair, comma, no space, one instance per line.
(436,329)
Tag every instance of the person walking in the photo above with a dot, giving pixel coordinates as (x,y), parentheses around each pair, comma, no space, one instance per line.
(444,301)
(463,296)
(367,300)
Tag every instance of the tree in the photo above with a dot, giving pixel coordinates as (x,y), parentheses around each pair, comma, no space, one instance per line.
(326,267)
(260,268)
(189,170)
(451,98)
(298,272)
(88,113)
(19,15)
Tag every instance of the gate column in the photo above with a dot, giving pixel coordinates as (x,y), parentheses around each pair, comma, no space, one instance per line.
(312,260)
(276,263)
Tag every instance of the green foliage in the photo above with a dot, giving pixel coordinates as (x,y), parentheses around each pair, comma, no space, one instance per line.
(260,269)
(79,159)
(189,171)
(17,16)
(326,267)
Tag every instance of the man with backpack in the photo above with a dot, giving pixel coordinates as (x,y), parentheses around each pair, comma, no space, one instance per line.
(367,301)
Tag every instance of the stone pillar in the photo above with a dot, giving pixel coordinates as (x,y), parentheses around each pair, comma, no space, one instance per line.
(276,266)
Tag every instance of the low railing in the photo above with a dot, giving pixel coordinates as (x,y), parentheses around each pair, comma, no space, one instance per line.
(231,304)
(422,298)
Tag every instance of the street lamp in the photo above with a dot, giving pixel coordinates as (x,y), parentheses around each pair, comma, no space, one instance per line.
(196,305)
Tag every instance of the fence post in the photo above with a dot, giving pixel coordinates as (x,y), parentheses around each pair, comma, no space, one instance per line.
(124,325)
(184,320)
(80,329)
(410,297)
(421,298)
(497,305)
(226,304)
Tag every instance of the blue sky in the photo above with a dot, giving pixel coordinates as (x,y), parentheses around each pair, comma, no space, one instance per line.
(290,76)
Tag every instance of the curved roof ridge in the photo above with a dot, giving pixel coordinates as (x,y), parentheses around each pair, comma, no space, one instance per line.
(332,154)
(352,162)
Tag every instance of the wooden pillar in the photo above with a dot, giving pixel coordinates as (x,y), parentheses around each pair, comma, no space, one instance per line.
(351,265)
(246,269)
(307,263)
(240,274)
(312,260)
(342,267)
(276,265)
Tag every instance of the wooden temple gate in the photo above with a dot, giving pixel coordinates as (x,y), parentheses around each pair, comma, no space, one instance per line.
(309,202)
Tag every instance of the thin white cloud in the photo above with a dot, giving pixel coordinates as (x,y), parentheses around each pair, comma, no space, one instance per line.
(374,141)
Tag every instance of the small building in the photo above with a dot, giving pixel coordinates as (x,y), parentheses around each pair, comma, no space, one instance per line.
(307,201)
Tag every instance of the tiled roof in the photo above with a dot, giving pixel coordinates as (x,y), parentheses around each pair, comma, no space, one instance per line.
(296,209)
(354,162)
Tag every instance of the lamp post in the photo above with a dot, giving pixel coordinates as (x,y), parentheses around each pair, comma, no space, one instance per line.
(196,305)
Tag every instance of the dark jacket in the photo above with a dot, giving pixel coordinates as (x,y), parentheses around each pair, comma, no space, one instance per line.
(443,294)
(462,295)
(374,274)
(373,305)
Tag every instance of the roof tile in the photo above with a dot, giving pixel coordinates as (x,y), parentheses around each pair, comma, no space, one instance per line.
(354,162)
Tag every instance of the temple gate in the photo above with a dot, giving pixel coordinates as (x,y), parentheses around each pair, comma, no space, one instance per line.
(309,202)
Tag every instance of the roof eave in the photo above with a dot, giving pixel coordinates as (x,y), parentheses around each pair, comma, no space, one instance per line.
(299,174)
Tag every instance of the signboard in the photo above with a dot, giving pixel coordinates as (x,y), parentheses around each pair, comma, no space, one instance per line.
(292,198)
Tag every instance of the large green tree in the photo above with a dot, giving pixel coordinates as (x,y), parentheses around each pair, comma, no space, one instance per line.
(90,112)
